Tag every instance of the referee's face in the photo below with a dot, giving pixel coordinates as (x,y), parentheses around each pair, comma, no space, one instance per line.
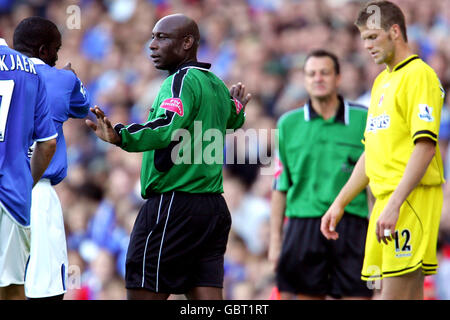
(321,80)
(379,44)
(166,46)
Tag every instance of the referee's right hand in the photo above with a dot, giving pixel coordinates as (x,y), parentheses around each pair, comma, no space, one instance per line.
(103,128)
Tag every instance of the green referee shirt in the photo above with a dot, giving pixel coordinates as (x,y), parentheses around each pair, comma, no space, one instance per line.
(317,157)
(183,138)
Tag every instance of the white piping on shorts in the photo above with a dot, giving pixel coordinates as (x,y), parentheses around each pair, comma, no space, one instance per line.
(146,243)
(162,239)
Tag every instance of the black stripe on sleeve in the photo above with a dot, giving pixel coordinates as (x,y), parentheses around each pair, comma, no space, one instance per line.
(177,87)
(429,133)
(163,157)
(155,124)
(177,83)
(118,127)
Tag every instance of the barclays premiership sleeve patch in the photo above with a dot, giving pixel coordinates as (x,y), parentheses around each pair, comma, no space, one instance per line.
(425,113)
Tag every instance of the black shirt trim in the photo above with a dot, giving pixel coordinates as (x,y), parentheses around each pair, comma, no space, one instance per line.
(340,114)
(405,63)
(193,64)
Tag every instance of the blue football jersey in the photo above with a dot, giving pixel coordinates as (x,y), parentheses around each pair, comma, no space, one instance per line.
(68,99)
(24,118)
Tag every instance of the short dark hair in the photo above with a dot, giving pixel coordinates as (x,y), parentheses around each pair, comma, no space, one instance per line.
(33,32)
(318,53)
(390,14)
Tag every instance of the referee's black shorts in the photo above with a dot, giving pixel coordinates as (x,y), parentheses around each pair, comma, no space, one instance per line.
(312,265)
(178,242)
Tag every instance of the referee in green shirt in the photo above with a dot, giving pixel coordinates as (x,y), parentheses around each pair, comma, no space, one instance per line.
(319,144)
(179,238)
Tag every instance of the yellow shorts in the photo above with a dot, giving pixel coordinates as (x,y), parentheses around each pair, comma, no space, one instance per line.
(417,233)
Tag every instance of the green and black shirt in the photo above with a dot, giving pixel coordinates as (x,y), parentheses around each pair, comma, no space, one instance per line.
(183,138)
(317,157)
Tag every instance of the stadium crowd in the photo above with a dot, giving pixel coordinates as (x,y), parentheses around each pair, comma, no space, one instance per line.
(261,43)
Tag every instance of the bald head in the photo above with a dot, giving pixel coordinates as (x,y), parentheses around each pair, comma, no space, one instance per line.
(180,25)
(175,40)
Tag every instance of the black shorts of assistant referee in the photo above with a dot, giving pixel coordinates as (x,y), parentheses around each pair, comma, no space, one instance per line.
(312,265)
(178,242)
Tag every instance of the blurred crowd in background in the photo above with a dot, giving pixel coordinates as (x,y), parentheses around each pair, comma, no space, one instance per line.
(261,43)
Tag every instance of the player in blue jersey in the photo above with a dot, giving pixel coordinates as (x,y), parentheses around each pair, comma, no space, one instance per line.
(46,273)
(24,118)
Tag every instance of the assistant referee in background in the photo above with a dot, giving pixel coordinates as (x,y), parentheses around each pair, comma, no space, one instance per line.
(319,145)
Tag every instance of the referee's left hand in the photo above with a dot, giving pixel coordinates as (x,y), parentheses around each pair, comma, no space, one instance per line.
(237,91)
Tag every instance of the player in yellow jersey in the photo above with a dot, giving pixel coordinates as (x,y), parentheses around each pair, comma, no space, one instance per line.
(401,162)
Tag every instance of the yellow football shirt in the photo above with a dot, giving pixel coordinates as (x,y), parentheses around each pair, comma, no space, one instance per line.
(405,105)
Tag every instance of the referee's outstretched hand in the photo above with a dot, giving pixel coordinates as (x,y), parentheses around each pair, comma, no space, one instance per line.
(103,128)
(237,91)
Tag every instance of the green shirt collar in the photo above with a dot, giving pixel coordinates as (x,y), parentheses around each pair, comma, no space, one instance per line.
(310,113)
